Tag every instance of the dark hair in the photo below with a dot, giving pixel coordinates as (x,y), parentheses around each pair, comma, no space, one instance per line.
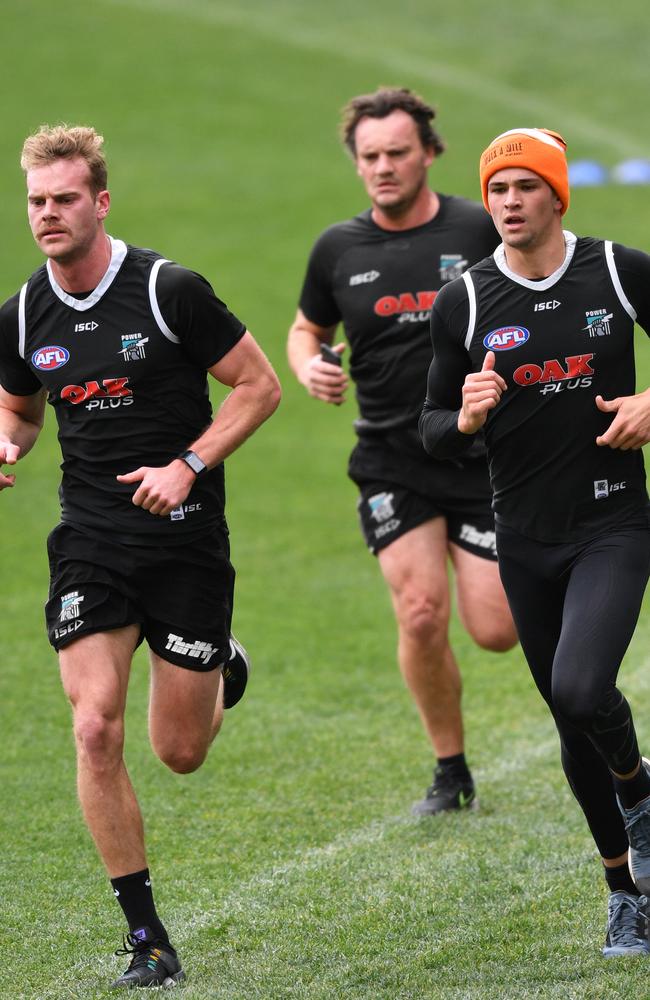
(380,104)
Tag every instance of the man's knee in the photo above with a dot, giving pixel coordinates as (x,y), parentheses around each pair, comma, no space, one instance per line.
(180,755)
(496,633)
(100,739)
(422,618)
(576,703)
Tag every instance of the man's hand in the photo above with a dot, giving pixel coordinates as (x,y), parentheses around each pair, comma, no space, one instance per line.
(162,489)
(630,428)
(481,393)
(8,456)
(324,380)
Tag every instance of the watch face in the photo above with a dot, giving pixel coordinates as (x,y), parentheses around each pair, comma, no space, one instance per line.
(194,462)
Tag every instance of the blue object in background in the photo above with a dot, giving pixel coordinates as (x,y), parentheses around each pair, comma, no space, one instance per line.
(632,172)
(587,173)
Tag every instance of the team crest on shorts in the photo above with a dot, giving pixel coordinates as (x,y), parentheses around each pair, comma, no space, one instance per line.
(70,606)
(381,507)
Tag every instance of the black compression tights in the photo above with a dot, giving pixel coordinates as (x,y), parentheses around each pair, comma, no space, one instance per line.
(576,607)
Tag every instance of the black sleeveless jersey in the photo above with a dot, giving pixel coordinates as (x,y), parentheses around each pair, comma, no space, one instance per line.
(381,284)
(125,371)
(558,343)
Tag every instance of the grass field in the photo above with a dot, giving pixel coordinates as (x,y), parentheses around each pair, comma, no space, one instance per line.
(289,866)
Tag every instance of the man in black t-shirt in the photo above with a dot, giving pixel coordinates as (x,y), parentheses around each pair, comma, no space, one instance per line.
(534,346)
(379,274)
(119,341)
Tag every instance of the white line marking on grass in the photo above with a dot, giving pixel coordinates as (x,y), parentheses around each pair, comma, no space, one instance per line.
(479,86)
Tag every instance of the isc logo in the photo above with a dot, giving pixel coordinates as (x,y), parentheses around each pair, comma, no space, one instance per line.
(541,306)
(81,327)
(506,338)
(46,359)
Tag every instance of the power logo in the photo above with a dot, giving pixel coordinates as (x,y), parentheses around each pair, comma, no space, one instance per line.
(575,373)
(111,393)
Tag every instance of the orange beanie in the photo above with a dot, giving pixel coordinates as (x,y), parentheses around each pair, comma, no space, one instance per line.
(536,149)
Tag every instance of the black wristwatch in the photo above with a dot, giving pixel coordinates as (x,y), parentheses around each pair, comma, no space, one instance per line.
(196,464)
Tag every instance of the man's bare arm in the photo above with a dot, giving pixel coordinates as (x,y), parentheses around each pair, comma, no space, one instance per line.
(21,420)
(322,379)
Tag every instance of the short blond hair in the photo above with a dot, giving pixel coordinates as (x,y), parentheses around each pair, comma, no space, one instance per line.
(56,142)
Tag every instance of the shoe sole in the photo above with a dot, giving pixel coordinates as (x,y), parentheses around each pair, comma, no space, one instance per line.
(230,696)
(641,881)
(622,952)
(423,813)
(174,980)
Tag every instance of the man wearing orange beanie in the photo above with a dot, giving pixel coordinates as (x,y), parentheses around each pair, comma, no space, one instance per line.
(535,346)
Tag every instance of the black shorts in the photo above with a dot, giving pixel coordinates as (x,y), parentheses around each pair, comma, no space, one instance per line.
(401,487)
(181,596)
(387,511)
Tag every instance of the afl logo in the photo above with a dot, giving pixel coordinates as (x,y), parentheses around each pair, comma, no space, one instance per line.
(506,338)
(46,359)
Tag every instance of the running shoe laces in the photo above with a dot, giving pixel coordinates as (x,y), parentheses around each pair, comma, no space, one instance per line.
(627,925)
(154,962)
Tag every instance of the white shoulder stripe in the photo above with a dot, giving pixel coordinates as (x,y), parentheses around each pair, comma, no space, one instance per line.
(616,281)
(471,295)
(21,321)
(155,308)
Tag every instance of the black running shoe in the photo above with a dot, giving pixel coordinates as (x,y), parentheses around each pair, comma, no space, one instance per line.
(153,964)
(235,673)
(448,792)
(627,925)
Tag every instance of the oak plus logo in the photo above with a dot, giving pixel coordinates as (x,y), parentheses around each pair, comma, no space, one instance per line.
(47,359)
(409,307)
(575,372)
(111,394)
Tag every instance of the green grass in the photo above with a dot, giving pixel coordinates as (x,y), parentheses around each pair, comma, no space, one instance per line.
(289,867)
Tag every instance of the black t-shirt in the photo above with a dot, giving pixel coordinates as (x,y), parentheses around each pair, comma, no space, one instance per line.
(381,284)
(558,343)
(125,371)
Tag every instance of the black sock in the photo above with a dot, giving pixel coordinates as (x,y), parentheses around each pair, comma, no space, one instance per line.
(619,879)
(456,765)
(632,790)
(135,896)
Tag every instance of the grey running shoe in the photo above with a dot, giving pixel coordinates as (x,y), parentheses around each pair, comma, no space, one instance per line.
(627,925)
(153,965)
(637,827)
(448,792)
(235,673)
